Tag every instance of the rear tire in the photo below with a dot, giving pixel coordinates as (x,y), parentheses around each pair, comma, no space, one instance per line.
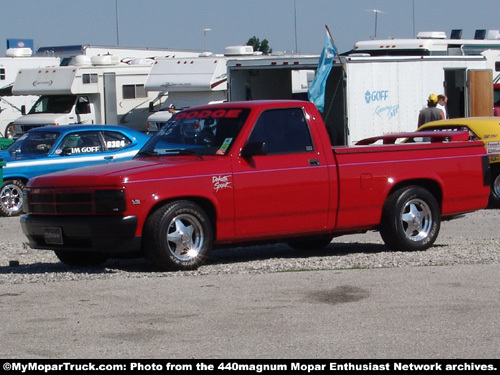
(178,236)
(411,219)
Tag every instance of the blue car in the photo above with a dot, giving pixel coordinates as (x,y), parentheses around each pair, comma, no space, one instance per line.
(55,148)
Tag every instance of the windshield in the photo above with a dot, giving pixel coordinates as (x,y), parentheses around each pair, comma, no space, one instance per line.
(39,143)
(201,132)
(53,104)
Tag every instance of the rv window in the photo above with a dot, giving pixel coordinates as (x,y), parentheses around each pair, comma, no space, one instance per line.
(134,91)
(89,78)
(2,74)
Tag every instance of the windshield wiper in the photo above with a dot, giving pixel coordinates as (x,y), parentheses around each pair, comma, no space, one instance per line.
(184,151)
(147,153)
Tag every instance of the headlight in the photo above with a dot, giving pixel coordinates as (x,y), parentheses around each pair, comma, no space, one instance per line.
(110,201)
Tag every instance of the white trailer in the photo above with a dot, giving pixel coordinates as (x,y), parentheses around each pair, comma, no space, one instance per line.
(368,96)
(97,90)
(270,77)
(10,105)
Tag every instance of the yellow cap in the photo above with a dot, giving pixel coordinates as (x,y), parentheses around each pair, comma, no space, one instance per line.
(433,98)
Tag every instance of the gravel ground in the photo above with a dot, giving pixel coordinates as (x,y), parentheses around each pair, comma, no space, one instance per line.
(472,239)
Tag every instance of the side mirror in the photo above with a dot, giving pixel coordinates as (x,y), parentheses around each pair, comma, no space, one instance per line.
(66,151)
(254,149)
(151,107)
(23,109)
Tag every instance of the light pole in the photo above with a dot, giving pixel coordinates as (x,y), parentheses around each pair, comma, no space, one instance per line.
(376,11)
(205,31)
(295,21)
(117,29)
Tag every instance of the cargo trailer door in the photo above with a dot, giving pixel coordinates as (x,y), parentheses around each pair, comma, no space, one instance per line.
(480,92)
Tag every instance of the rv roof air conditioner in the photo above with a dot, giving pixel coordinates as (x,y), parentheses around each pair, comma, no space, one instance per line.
(18,52)
(431,35)
(105,60)
(238,50)
(81,60)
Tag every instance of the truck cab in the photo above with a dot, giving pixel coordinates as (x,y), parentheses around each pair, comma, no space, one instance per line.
(55,110)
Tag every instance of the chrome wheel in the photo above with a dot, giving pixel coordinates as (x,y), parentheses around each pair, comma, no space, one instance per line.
(416,220)
(185,237)
(11,198)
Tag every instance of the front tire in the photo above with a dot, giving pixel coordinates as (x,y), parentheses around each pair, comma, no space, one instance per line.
(11,198)
(411,219)
(178,236)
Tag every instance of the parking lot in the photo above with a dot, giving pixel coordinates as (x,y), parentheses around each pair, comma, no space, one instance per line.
(353,300)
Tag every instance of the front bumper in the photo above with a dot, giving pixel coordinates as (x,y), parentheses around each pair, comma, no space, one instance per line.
(110,234)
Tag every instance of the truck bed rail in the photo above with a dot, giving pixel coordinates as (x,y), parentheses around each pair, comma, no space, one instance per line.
(429,136)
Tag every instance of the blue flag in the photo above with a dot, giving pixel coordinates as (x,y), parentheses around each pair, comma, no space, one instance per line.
(316,92)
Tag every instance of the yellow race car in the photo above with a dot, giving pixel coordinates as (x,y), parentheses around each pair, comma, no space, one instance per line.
(486,129)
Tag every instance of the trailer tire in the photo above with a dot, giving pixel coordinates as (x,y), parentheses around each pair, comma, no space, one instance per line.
(11,198)
(411,219)
(178,236)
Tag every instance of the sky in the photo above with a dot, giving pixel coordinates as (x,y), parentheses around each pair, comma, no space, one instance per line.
(288,25)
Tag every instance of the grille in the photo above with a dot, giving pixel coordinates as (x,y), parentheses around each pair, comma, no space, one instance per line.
(61,202)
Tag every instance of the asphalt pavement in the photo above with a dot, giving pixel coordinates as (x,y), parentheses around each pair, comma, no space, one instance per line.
(418,312)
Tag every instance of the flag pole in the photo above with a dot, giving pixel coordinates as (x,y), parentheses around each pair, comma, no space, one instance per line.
(333,42)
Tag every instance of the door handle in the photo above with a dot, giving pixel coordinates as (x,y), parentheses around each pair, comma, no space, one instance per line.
(313,161)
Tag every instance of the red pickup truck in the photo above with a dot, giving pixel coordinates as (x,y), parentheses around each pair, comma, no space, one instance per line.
(252,172)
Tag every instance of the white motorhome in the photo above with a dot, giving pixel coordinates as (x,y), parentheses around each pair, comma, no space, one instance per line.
(95,90)
(188,82)
(10,105)
(66,53)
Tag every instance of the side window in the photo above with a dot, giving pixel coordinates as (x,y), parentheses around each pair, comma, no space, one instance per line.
(115,140)
(283,131)
(83,105)
(133,91)
(82,143)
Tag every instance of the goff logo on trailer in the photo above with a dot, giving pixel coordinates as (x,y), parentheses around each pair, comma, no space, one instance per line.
(376,96)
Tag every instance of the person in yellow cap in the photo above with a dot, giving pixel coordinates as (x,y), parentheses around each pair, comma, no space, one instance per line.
(431,113)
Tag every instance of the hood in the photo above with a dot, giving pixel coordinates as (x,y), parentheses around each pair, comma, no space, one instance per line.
(5,155)
(11,157)
(123,172)
(41,118)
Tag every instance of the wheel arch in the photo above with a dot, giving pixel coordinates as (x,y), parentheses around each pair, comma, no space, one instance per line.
(24,180)
(431,185)
(205,203)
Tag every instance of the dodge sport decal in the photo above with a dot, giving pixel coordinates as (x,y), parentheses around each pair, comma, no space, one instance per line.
(221,182)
